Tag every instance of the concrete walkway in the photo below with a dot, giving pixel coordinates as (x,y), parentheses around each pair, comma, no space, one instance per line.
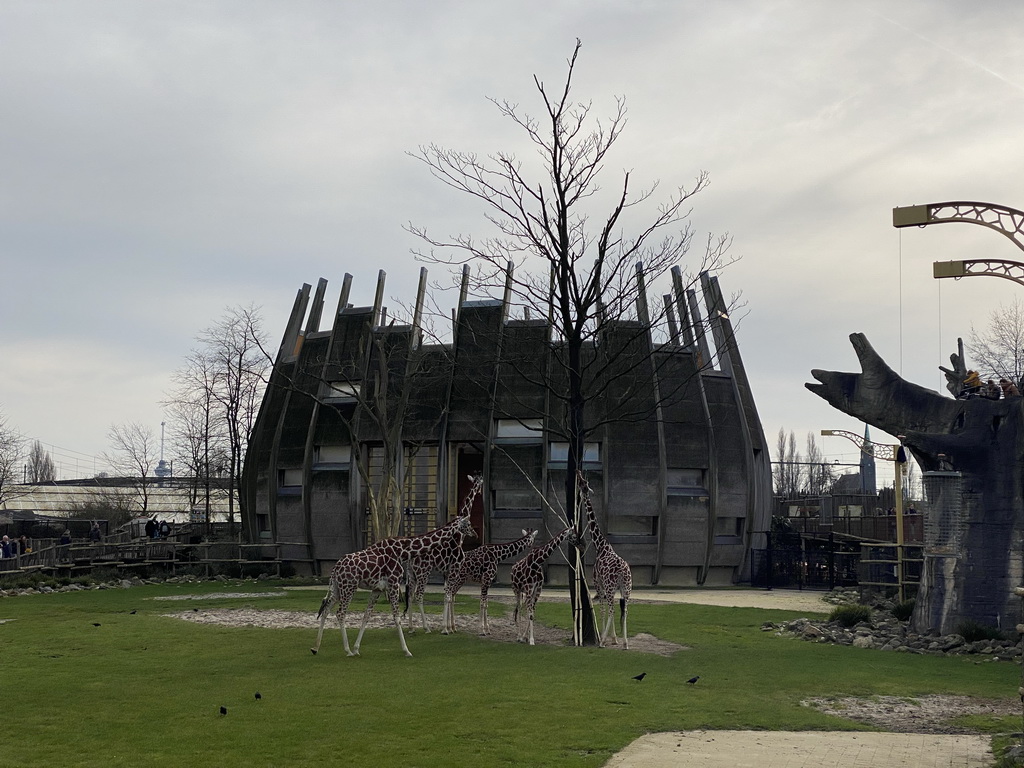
(803,749)
(792,749)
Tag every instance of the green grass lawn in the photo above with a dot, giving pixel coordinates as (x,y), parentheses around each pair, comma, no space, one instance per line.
(145,690)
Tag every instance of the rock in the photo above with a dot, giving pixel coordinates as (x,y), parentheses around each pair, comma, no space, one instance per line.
(862,641)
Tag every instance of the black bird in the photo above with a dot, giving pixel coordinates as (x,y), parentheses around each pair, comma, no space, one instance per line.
(640,677)
(693,680)
(223,710)
(96,624)
(133,612)
(258,696)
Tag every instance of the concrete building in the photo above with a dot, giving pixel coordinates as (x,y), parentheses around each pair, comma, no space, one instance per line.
(678,462)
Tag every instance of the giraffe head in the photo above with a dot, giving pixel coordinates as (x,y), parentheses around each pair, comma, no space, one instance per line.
(464,526)
(582,483)
(530,535)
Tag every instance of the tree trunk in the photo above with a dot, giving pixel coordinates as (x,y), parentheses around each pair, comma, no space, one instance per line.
(972,454)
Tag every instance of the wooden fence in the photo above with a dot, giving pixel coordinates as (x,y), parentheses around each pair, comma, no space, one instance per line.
(49,556)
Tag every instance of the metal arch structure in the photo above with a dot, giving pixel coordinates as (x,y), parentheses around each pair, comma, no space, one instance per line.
(873,449)
(1007,221)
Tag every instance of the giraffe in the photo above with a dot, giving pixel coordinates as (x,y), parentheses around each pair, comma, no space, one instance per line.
(611,573)
(444,558)
(528,579)
(380,568)
(481,564)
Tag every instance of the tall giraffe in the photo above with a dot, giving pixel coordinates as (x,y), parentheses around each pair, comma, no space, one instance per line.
(528,579)
(481,564)
(445,558)
(611,573)
(380,568)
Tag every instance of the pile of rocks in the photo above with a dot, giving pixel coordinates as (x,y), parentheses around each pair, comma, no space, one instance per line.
(884,632)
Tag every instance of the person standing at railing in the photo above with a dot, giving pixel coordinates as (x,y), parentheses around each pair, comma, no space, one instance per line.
(95,534)
(65,545)
(5,548)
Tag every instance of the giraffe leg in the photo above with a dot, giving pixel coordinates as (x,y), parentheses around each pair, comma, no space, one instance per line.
(484,629)
(341,615)
(393,598)
(362,627)
(533,606)
(324,608)
(625,611)
(610,608)
(421,588)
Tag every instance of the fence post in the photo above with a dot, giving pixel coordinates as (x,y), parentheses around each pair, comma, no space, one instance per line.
(769,566)
(831,561)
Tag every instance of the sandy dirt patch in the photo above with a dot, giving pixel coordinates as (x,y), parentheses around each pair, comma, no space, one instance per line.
(502,628)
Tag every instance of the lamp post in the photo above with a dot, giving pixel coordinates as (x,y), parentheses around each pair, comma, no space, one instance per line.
(897,454)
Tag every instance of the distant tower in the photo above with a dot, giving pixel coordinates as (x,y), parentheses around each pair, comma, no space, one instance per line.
(867,467)
(163,469)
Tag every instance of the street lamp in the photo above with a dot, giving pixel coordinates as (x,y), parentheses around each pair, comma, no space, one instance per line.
(897,454)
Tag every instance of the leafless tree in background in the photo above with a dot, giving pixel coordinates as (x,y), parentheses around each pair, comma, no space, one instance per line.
(787,472)
(40,465)
(233,348)
(997,351)
(554,254)
(214,402)
(11,452)
(134,453)
(820,476)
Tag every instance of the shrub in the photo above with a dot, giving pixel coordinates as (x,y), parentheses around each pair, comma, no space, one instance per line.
(903,611)
(972,631)
(849,615)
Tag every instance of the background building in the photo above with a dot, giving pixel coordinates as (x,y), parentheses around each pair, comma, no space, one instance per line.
(677,458)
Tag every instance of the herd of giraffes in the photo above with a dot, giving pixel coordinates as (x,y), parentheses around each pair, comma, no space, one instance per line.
(390,563)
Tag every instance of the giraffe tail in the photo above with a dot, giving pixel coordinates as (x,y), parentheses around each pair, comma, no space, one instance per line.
(325,604)
(622,609)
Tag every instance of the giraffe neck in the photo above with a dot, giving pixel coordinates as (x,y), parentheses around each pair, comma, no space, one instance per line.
(467,505)
(600,542)
(510,549)
(543,552)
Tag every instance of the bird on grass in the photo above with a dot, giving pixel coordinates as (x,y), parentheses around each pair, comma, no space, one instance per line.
(223,710)
(693,680)
(258,696)
(133,612)
(640,677)
(96,624)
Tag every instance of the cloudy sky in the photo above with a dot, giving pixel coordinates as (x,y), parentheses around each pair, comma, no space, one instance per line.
(162,161)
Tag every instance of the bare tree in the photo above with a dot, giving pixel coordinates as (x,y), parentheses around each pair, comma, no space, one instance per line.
(820,476)
(11,452)
(998,349)
(215,400)
(134,452)
(199,436)
(788,475)
(586,276)
(40,465)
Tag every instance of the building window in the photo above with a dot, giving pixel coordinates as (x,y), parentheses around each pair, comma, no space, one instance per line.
(263,524)
(558,455)
(337,457)
(289,482)
(632,525)
(682,481)
(519,430)
(728,530)
(341,391)
(516,503)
